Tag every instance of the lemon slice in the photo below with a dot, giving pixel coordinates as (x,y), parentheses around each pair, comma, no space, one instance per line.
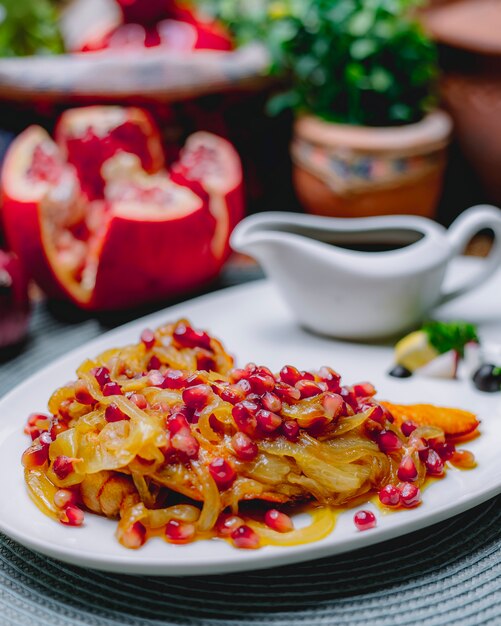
(414,350)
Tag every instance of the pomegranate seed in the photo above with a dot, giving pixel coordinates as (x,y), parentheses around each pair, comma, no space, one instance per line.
(102,375)
(364,520)
(186,443)
(268,421)
(307,376)
(227,523)
(148,338)
(375,413)
(222,473)
(179,532)
(154,363)
(290,375)
(333,404)
(332,378)
(464,459)
(278,521)
(139,400)
(187,337)
(445,450)
(290,430)
(238,374)
(72,516)
(364,390)
(287,393)
(64,497)
(82,393)
(389,495)
(407,471)
(407,428)
(177,422)
(271,402)
(372,429)
(388,441)
(308,388)
(37,454)
(410,495)
(244,447)
(434,464)
(250,368)
(156,378)
(35,418)
(197,397)
(261,383)
(114,414)
(62,466)
(206,362)
(244,385)
(232,394)
(134,537)
(174,379)
(56,428)
(112,389)
(350,398)
(244,414)
(244,537)
(193,380)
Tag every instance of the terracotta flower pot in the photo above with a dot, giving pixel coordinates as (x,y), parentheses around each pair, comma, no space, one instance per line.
(355,171)
(468,32)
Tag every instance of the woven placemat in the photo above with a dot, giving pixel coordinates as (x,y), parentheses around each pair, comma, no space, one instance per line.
(449,573)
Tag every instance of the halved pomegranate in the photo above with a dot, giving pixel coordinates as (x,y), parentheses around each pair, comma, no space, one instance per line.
(89,136)
(148,237)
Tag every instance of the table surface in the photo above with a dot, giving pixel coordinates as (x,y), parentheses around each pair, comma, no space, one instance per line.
(447,574)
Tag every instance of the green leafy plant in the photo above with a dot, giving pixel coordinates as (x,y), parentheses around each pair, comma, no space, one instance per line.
(445,336)
(351,61)
(29,27)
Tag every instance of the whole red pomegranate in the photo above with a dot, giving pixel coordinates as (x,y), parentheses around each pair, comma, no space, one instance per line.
(14,301)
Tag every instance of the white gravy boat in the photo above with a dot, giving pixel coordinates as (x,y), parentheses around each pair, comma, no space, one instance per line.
(364,294)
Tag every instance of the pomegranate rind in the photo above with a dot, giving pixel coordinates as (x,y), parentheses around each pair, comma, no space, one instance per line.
(456,423)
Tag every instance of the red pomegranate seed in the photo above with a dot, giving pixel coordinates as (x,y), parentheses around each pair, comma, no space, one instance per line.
(179,532)
(139,400)
(174,379)
(271,402)
(372,429)
(197,397)
(364,390)
(65,497)
(188,337)
(464,459)
(154,363)
(186,443)
(350,398)
(389,495)
(268,422)
(112,389)
(62,466)
(308,388)
(278,521)
(410,495)
(244,537)
(222,473)
(195,379)
(244,414)
(82,393)
(290,430)
(375,413)
(35,418)
(72,516)
(286,393)
(56,428)
(148,338)
(232,394)
(38,453)
(156,378)
(113,414)
(307,375)
(407,471)
(261,383)
(388,441)
(407,428)
(333,405)
(102,375)
(364,520)
(290,375)
(238,374)
(227,523)
(244,447)
(177,422)
(206,362)
(244,385)
(332,378)
(445,450)
(134,537)
(434,464)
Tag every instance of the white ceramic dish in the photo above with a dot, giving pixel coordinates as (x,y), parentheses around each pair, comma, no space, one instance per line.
(254,323)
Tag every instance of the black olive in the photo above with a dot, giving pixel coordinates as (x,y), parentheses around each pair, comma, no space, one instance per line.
(485,378)
(399,371)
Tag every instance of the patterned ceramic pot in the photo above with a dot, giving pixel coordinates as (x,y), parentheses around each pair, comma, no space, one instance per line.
(357,171)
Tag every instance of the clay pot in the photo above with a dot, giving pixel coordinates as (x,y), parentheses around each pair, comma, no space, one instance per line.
(470,56)
(355,171)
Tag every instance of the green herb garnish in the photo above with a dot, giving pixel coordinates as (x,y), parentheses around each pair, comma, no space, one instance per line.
(445,336)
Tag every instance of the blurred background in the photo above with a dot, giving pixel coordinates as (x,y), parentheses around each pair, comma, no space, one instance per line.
(134,134)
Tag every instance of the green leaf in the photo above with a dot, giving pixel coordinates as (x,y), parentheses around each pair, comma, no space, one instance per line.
(445,336)
(362,48)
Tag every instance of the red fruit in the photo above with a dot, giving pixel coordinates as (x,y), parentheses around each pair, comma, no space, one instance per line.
(271,402)
(244,414)
(65,497)
(333,404)
(410,495)
(72,516)
(389,495)
(364,520)
(185,443)
(388,441)
(222,473)
(407,428)
(434,464)
(156,378)
(268,422)
(14,301)
(174,379)
(112,389)
(261,383)
(232,394)
(244,537)
(154,363)
(286,393)
(38,453)
(134,537)
(308,388)
(146,237)
(187,337)
(102,375)
(245,449)
(197,397)
(364,390)
(407,471)
(62,466)
(227,523)
(331,378)
(445,450)
(290,375)
(278,521)
(82,393)
(144,11)
(205,362)
(290,430)
(139,400)
(148,338)
(179,532)
(177,422)
(113,414)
